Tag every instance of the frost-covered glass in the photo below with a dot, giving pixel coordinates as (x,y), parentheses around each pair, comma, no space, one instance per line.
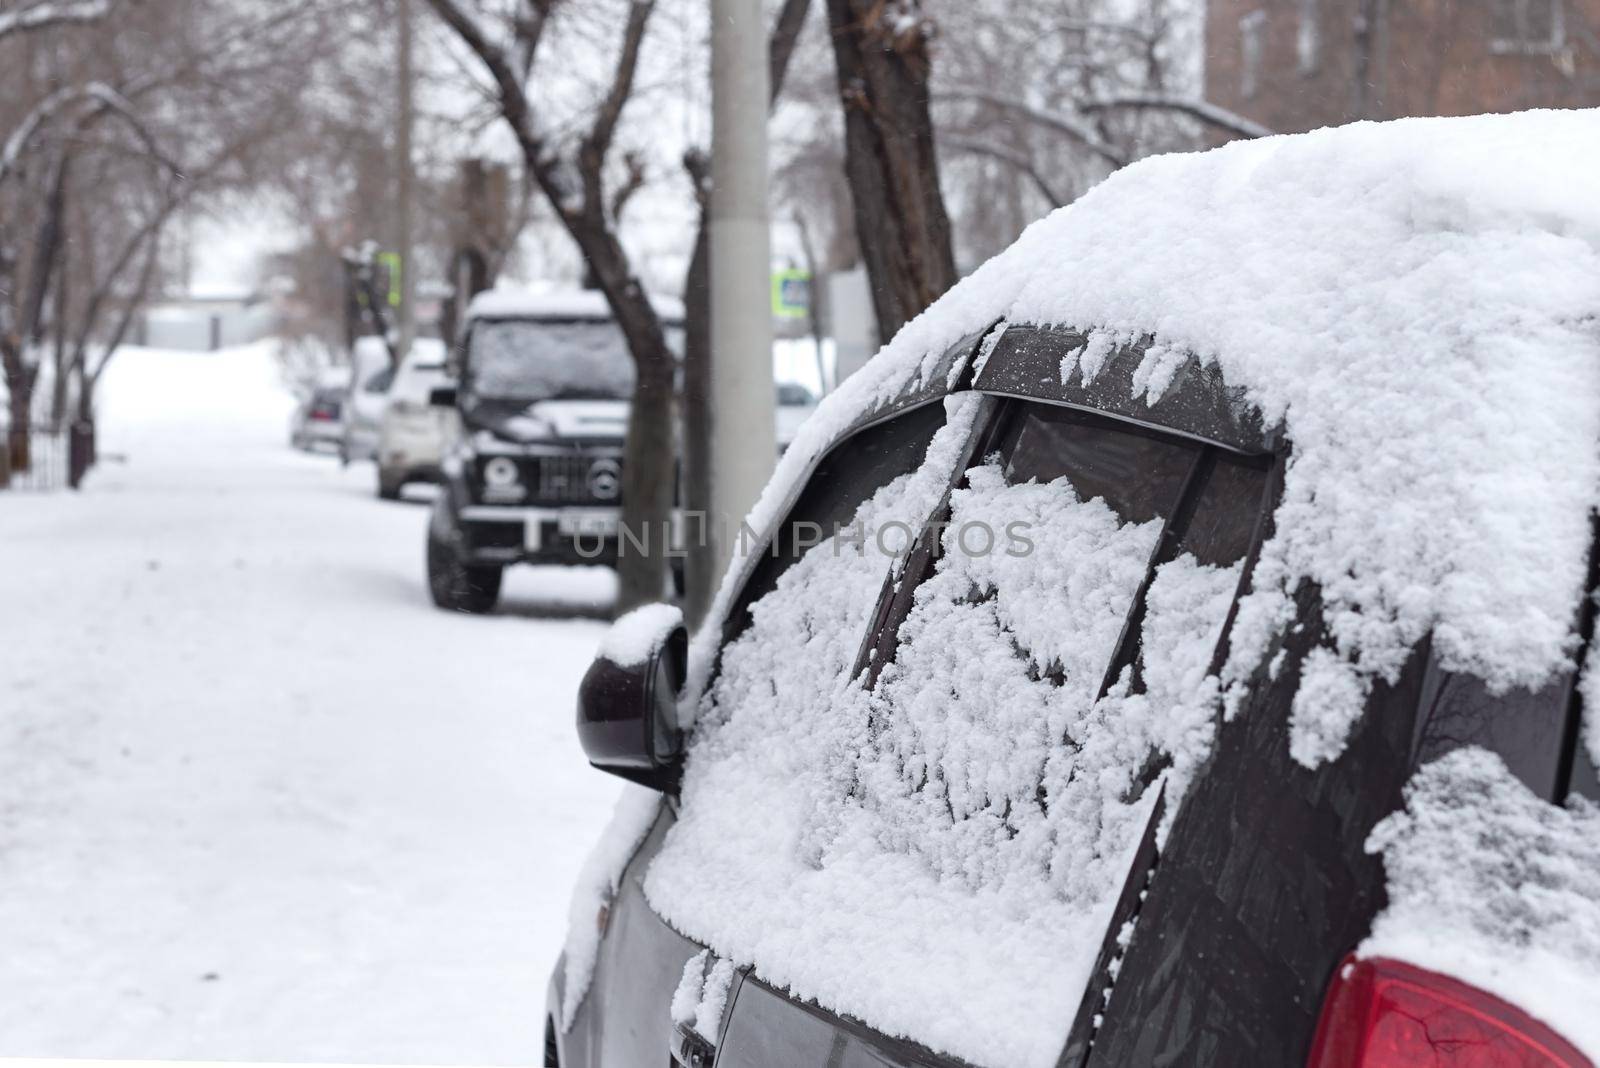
(974,811)
(527,360)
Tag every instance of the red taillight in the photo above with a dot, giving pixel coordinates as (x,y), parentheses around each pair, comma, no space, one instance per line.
(1386,1014)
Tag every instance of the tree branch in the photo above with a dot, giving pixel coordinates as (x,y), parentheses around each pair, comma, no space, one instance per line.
(1211,114)
(528,28)
(635,182)
(1009,156)
(46,250)
(24,132)
(592,154)
(106,101)
(513,100)
(115,103)
(129,308)
(785,36)
(46,15)
(102,292)
(1062,124)
(180,189)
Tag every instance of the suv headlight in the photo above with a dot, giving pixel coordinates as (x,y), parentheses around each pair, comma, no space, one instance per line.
(501,473)
(502,480)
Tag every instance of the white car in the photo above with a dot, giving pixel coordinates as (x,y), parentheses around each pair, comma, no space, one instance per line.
(318,420)
(413,433)
(369,396)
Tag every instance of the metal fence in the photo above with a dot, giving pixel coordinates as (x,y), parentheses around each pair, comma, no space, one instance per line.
(48,466)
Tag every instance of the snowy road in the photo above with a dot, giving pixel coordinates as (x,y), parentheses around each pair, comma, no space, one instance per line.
(258,798)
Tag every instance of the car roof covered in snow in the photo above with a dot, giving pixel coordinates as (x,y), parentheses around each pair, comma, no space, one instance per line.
(1408,314)
(509,303)
(1412,305)
(333,378)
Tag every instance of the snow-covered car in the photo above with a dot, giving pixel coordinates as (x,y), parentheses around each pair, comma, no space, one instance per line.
(1170,649)
(372,376)
(413,433)
(318,418)
(545,382)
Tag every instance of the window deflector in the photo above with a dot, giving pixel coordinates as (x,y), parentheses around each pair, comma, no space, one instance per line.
(1086,1024)
(1168,544)
(999,431)
(900,584)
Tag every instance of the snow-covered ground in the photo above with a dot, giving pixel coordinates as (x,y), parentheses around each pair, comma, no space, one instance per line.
(258,798)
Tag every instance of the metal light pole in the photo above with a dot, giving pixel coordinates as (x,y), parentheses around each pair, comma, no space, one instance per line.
(404,190)
(743,438)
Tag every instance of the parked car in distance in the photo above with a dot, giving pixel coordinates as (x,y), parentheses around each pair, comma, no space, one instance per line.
(413,433)
(544,383)
(373,374)
(795,404)
(1176,647)
(318,418)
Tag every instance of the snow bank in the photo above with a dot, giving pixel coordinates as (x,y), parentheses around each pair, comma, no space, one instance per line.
(596,887)
(637,636)
(1495,887)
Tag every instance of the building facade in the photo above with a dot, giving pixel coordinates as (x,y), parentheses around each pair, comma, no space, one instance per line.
(1295,65)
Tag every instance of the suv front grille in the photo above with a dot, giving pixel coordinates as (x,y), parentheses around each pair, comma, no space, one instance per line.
(566,478)
(560,479)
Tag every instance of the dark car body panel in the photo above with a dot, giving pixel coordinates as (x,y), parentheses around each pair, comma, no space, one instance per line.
(624,1020)
(1263,885)
(766,1027)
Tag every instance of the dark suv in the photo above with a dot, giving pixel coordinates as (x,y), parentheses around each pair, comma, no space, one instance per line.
(543,385)
(1194,685)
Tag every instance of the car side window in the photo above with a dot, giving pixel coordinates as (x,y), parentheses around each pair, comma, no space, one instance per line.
(989,770)
(846,479)
(1138,475)
(1059,642)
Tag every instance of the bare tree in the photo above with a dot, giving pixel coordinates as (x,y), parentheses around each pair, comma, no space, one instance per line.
(20,327)
(91,161)
(1040,102)
(881,49)
(574,183)
(117,289)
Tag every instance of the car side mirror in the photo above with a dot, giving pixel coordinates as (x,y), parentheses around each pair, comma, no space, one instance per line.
(628,700)
(442,396)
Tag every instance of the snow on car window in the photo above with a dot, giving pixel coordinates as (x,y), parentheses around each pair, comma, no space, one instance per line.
(976,812)
(528,360)
(990,695)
